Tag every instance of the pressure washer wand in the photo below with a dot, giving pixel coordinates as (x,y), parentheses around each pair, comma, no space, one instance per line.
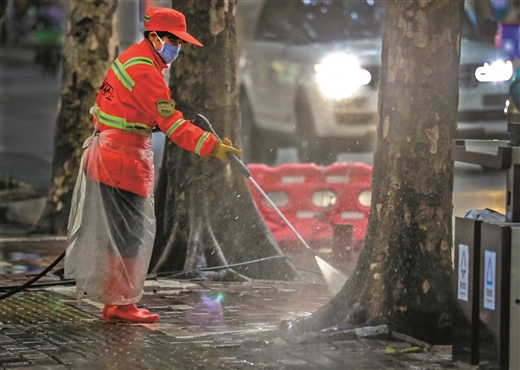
(204,124)
(334,278)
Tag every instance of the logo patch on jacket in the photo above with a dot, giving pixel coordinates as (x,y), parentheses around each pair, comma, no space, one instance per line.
(166,107)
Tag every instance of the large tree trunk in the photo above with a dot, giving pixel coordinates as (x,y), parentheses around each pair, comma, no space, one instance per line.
(89,50)
(205,213)
(403,275)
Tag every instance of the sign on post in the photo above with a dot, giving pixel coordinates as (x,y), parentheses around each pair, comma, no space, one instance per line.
(463,272)
(490,271)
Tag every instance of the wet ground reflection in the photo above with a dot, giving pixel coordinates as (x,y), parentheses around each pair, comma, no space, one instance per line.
(204,325)
(210,307)
(208,313)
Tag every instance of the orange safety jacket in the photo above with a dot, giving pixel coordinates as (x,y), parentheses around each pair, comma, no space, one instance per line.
(133,99)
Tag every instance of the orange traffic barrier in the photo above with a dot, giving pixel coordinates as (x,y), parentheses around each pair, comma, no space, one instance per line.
(314,199)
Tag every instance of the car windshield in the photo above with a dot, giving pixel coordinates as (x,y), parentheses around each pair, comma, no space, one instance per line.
(323,21)
(327,20)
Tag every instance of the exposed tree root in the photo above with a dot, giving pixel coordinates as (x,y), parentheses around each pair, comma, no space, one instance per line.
(214,224)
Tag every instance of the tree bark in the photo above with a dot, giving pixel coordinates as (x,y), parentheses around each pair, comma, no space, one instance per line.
(403,275)
(89,50)
(3,9)
(484,15)
(205,213)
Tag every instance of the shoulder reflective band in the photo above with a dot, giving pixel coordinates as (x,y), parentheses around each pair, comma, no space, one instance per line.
(120,70)
(174,127)
(201,142)
(137,60)
(119,122)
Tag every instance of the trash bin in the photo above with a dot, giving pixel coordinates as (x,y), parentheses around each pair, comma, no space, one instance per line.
(499,292)
(466,287)
(495,343)
(514,333)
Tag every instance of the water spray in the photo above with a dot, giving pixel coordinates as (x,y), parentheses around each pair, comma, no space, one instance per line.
(334,278)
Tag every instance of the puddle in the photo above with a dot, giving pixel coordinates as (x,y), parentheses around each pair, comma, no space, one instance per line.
(21,263)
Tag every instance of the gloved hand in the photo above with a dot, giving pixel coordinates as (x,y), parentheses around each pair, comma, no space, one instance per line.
(222,148)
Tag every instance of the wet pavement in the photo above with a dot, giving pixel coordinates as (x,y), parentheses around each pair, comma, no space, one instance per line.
(204,325)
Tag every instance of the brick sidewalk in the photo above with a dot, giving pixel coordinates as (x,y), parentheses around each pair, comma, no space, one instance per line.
(205,325)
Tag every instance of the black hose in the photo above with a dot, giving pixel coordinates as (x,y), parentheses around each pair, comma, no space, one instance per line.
(160,274)
(17,288)
(34,279)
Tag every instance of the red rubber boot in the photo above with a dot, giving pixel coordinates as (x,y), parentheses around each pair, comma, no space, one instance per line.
(105,309)
(128,313)
(115,285)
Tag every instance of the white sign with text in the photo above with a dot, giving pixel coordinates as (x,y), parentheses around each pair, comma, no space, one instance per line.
(490,274)
(463,273)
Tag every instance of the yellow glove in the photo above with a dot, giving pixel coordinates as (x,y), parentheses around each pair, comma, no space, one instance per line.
(224,147)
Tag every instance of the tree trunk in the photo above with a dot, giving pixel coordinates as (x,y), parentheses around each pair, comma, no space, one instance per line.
(403,275)
(3,9)
(89,50)
(205,213)
(483,10)
(484,15)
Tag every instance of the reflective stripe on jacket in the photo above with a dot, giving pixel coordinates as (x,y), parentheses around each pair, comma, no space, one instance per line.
(128,102)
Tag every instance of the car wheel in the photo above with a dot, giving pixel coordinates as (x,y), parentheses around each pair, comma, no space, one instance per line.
(257,146)
(311,148)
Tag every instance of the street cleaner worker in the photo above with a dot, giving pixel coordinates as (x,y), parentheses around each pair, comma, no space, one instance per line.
(112,221)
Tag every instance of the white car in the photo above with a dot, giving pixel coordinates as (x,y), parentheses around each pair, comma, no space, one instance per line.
(309,78)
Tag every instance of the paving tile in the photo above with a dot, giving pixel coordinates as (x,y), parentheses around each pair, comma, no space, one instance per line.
(9,357)
(15,364)
(43,366)
(46,348)
(15,347)
(314,356)
(31,354)
(355,361)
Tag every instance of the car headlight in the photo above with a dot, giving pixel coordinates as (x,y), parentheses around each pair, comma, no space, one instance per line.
(339,75)
(495,72)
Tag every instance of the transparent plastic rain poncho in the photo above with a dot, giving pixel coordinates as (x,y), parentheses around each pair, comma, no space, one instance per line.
(111,231)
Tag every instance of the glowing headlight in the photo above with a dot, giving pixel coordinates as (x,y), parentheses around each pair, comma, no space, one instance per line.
(339,75)
(495,72)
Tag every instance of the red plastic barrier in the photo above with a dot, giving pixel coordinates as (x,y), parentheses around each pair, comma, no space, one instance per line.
(313,199)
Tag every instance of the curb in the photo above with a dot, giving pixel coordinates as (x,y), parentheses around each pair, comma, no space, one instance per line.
(24,211)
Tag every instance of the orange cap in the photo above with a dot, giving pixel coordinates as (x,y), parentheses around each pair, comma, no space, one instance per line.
(169,20)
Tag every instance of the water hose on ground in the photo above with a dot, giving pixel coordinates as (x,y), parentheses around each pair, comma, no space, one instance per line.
(34,279)
(32,283)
